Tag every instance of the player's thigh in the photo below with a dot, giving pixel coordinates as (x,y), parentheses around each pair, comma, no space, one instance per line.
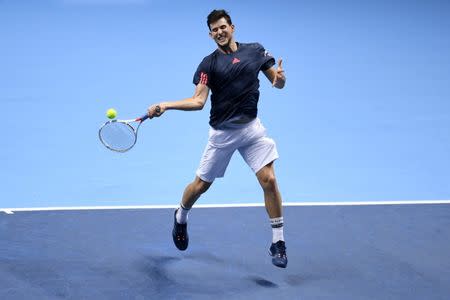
(259,153)
(214,163)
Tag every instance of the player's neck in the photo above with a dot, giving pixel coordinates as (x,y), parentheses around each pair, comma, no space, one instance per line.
(230,48)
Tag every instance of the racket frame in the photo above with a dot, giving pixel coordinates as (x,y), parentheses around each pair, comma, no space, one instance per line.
(128,123)
(124,122)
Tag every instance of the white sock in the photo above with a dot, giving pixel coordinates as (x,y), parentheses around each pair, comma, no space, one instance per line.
(277,229)
(182,215)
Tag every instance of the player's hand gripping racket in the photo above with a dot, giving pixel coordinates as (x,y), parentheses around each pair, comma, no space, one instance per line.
(120,135)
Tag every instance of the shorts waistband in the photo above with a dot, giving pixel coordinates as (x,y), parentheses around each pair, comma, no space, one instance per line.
(235,124)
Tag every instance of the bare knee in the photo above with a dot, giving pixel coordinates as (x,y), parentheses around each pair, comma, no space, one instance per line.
(268,182)
(200,186)
(267,179)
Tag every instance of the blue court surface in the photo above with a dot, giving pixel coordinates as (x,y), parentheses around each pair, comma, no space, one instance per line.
(364,116)
(334,251)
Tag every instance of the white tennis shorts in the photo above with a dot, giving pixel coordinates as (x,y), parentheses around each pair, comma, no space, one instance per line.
(250,139)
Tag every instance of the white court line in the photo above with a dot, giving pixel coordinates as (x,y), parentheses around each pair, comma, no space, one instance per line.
(124,207)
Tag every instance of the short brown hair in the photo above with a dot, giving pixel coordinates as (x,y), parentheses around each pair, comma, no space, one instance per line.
(216,15)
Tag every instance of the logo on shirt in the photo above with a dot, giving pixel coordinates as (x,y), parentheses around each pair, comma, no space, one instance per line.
(203,78)
(235,60)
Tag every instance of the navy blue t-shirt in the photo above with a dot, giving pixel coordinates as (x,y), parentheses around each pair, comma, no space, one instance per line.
(233,80)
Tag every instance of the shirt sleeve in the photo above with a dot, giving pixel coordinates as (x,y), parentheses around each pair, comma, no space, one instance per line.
(203,73)
(267,60)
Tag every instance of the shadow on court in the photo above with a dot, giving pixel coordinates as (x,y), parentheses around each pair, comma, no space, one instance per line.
(335,252)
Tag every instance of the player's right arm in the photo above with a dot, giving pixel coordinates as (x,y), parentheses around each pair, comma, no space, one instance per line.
(196,102)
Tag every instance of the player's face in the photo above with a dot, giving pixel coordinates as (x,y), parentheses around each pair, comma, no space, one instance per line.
(222,32)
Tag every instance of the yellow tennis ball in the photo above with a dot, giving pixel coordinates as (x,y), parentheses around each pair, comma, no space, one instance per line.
(111,113)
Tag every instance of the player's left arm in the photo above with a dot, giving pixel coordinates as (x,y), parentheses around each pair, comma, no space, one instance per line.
(276,76)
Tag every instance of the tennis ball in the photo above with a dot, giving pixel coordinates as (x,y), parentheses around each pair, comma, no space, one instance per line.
(111,113)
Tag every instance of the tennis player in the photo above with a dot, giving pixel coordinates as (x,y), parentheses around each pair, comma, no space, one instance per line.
(231,74)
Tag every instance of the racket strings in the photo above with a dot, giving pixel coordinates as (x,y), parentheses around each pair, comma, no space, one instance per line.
(118,136)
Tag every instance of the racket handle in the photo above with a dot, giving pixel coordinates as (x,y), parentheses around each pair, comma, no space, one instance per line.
(145,117)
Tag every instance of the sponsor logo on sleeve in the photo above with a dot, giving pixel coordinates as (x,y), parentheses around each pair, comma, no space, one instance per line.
(203,78)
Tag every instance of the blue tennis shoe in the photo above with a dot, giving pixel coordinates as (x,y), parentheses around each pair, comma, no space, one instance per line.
(179,234)
(278,253)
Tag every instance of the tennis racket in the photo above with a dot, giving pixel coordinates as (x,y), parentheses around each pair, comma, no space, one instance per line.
(121,135)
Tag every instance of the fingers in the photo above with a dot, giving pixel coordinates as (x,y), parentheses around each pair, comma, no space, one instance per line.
(280,61)
(279,73)
(154,110)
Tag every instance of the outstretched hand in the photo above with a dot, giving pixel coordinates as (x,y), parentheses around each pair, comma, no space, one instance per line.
(279,75)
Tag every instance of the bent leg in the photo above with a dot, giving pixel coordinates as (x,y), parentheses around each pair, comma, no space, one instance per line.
(193,191)
(272,196)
